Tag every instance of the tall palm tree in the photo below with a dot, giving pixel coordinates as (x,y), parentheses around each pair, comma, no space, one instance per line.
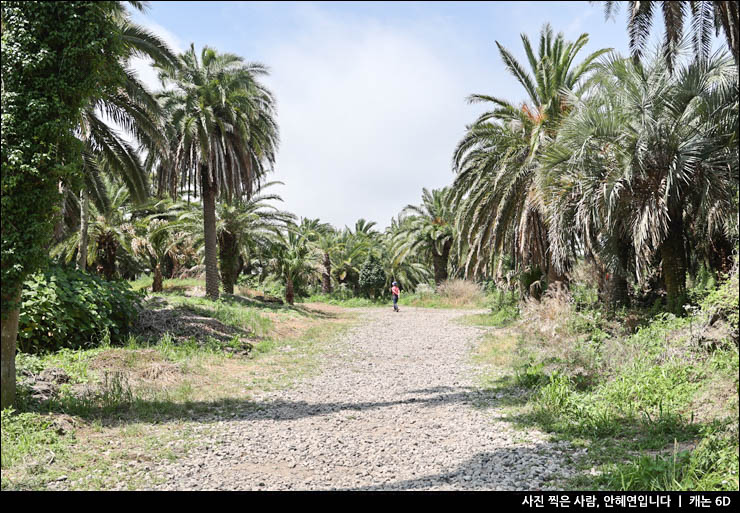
(496,192)
(711,16)
(223,135)
(430,229)
(654,154)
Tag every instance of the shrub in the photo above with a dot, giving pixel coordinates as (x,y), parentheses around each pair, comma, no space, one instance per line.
(424,290)
(67,308)
(372,277)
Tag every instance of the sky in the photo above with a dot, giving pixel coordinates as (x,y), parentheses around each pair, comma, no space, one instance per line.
(371,96)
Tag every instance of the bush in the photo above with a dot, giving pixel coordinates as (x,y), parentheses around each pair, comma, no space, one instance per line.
(372,277)
(67,308)
(424,290)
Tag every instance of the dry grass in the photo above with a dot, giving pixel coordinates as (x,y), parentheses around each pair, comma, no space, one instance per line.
(549,316)
(460,292)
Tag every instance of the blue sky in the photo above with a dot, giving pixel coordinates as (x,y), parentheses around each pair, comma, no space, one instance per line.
(371,95)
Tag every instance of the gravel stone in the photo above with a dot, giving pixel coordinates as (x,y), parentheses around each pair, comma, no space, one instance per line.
(395,407)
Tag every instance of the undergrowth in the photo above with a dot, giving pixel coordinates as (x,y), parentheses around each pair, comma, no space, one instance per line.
(652,395)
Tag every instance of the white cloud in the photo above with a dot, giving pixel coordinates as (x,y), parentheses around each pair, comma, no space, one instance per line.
(368,115)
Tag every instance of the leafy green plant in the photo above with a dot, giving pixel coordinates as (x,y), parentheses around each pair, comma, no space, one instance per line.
(68,308)
(530,375)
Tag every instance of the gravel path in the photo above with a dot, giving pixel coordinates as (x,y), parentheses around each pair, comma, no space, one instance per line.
(394,408)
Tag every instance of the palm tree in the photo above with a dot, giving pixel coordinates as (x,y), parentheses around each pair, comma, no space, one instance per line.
(156,239)
(430,228)
(407,268)
(496,192)
(223,136)
(110,232)
(706,17)
(350,253)
(653,154)
(133,109)
(294,260)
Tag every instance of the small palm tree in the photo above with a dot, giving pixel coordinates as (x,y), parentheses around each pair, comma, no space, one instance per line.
(350,253)
(244,226)
(110,232)
(156,237)
(294,260)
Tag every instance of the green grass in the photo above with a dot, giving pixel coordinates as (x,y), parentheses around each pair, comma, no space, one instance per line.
(656,410)
(498,319)
(229,313)
(413,300)
(27,435)
(352,302)
(149,416)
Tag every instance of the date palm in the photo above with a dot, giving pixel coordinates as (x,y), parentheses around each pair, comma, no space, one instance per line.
(496,194)
(650,156)
(110,232)
(294,260)
(430,230)
(717,16)
(223,135)
(326,240)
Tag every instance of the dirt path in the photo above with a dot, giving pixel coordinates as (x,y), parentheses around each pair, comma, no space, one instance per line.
(395,407)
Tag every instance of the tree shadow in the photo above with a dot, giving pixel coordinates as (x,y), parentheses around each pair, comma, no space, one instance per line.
(125,408)
(276,307)
(490,470)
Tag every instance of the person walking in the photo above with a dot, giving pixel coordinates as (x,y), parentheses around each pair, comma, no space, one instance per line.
(396,293)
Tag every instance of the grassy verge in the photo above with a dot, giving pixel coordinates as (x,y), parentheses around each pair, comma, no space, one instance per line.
(653,403)
(117,410)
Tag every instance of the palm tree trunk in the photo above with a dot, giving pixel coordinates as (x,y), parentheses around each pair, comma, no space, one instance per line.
(108,250)
(157,286)
(7,354)
(209,228)
(672,253)
(289,294)
(440,262)
(618,287)
(326,284)
(84,220)
(228,255)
